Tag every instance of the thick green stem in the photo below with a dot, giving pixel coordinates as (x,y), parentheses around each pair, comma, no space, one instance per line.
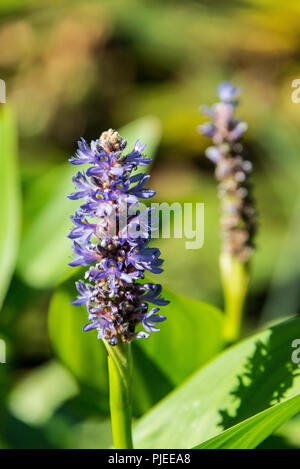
(235,280)
(120,374)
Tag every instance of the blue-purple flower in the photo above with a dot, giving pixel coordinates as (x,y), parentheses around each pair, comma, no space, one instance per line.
(117,255)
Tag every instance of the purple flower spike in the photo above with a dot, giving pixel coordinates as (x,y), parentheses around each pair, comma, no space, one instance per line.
(232,170)
(117,252)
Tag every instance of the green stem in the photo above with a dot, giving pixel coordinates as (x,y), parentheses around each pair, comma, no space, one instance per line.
(235,280)
(120,374)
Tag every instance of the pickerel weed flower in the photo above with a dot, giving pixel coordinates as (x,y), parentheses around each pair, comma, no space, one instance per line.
(117,253)
(238,220)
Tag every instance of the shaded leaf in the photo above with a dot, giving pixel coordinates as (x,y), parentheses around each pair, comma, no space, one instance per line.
(191,336)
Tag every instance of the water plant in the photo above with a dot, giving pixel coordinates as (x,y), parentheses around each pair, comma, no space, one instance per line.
(111,236)
(238,213)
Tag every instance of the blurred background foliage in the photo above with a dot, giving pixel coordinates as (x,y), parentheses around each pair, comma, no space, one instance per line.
(76,68)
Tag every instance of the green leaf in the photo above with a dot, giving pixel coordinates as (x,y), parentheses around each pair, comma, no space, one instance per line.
(81,352)
(191,336)
(45,248)
(243,381)
(9,199)
(251,432)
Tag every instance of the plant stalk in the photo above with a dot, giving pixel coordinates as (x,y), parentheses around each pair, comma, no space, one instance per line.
(120,378)
(235,281)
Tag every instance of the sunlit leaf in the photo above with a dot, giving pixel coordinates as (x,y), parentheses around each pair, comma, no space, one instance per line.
(243,381)
(249,433)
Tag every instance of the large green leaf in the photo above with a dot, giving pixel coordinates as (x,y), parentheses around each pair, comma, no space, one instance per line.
(45,248)
(82,353)
(191,336)
(243,381)
(249,433)
(9,199)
